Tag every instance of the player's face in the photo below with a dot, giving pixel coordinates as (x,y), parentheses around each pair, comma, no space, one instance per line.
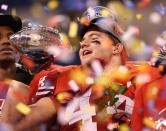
(7,51)
(95,45)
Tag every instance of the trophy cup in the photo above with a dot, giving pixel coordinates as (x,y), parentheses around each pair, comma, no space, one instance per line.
(35,38)
(34,42)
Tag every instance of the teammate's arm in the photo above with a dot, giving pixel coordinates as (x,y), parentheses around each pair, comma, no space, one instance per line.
(41,111)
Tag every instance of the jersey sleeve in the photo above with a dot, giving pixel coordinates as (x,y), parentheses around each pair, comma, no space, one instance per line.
(33,88)
(42,85)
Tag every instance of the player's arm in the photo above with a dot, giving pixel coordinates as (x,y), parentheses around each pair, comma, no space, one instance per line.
(41,111)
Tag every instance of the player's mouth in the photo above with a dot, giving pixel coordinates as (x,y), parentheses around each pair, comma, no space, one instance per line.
(86,52)
(6,50)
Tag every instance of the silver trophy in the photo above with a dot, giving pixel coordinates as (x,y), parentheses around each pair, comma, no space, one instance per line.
(35,37)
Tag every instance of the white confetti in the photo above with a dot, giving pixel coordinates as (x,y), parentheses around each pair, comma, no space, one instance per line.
(4,7)
(143,78)
(89,80)
(97,67)
(74,85)
(131,31)
(155,18)
(123,69)
(112,126)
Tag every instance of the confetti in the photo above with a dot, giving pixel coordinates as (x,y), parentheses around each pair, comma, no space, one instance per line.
(97,67)
(121,74)
(73,29)
(112,126)
(123,128)
(161,9)
(52,4)
(155,18)
(84,21)
(89,80)
(56,51)
(24,109)
(63,97)
(65,39)
(60,96)
(149,122)
(74,85)
(143,3)
(61,53)
(79,76)
(129,4)
(143,78)
(46,9)
(155,53)
(131,31)
(13,12)
(103,80)
(150,104)
(152,92)
(97,90)
(138,16)
(4,7)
